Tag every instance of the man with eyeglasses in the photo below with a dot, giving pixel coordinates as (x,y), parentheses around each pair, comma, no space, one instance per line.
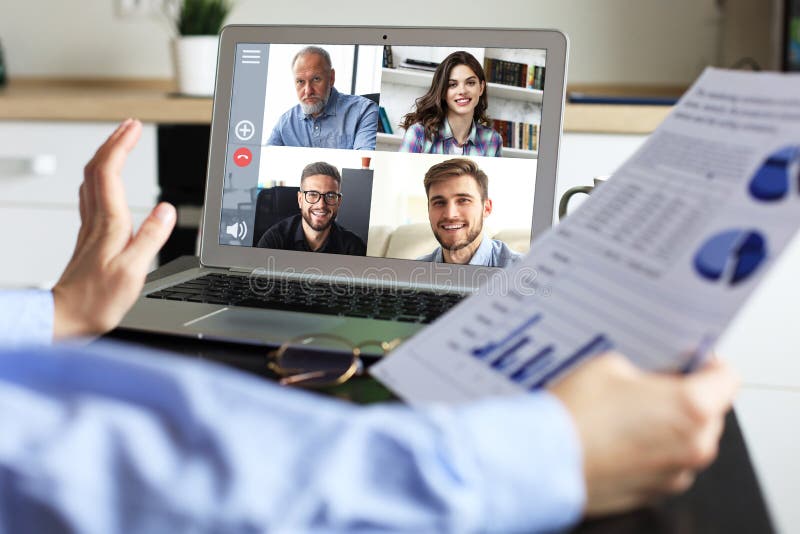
(315,229)
(324,117)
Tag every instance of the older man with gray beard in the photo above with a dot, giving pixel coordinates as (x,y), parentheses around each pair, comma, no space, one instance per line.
(324,117)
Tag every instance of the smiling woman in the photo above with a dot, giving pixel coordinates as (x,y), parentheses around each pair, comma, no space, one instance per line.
(451,117)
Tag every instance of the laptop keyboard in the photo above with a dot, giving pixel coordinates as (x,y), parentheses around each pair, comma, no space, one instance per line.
(328,298)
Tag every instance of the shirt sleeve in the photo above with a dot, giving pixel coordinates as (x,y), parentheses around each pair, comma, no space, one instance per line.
(414,139)
(367,133)
(116,439)
(495,145)
(271,238)
(26,317)
(276,137)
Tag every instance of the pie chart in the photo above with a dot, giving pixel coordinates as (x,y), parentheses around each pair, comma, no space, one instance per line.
(778,175)
(731,256)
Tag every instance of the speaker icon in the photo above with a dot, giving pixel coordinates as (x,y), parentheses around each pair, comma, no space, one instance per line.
(237,230)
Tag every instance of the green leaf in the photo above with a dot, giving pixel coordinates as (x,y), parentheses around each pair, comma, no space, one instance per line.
(202,17)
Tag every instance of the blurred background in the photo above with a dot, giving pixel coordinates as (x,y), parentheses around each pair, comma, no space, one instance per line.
(613,41)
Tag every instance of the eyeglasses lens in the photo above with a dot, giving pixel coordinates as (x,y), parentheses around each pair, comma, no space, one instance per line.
(316,361)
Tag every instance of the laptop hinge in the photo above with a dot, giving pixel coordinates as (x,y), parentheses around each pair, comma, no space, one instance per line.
(366,282)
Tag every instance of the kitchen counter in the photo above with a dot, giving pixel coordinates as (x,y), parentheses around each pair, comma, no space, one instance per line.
(149,100)
(152,100)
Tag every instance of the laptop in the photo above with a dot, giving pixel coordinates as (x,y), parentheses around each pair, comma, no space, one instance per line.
(317,218)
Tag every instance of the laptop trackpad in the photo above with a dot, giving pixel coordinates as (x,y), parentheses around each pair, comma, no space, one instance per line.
(264,325)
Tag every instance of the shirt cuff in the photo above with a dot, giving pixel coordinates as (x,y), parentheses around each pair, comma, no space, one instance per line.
(532,468)
(26,317)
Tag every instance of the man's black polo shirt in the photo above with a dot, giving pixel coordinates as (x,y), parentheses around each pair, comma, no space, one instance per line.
(288,235)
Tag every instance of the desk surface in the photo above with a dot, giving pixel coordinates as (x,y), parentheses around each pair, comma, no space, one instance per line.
(726,498)
(154,101)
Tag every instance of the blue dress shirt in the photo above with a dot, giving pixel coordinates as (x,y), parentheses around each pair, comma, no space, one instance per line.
(26,317)
(348,121)
(113,438)
(490,253)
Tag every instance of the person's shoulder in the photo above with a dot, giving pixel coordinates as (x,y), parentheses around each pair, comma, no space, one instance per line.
(286,117)
(493,141)
(351,241)
(504,254)
(413,139)
(358,101)
(416,131)
(431,256)
(289,222)
(488,131)
(501,245)
(276,235)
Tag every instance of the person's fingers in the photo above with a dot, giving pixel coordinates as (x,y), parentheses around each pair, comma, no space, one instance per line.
(91,178)
(152,235)
(110,229)
(99,155)
(83,207)
(676,481)
(121,127)
(607,366)
(710,390)
(109,189)
(702,447)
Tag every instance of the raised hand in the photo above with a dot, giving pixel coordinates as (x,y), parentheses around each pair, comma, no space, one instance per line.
(109,264)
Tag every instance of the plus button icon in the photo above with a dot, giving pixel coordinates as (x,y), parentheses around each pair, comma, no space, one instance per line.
(244,130)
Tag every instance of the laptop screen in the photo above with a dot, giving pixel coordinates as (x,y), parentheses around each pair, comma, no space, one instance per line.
(403,152)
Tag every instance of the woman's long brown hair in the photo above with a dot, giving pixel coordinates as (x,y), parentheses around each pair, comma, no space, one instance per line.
(431,108)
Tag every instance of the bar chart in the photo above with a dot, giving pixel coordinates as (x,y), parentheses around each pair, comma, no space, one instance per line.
(527,355)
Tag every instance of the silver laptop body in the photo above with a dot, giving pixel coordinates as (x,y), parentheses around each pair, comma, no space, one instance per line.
(253,72)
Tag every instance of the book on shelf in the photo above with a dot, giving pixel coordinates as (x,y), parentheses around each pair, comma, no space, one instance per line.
(535,77)
(521,135)
(538,78)
(384,126)
(421,63)
(388,59)
(417,65)
(506,72)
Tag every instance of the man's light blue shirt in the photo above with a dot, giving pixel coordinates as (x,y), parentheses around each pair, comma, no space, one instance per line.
(348,121)
(26,317)
(490,253)
(113,438)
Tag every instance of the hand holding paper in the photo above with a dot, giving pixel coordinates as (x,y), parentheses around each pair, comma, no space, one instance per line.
(635,450)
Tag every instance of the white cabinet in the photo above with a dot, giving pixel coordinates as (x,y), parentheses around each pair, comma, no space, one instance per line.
(41,169)
(583,156)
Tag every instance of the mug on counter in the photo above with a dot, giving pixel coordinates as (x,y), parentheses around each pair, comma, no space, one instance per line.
(587,189)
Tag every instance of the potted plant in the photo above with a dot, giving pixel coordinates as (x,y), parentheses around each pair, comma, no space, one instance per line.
(196,24)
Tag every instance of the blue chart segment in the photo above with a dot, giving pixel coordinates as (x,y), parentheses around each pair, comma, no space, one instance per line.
(537,363)
(509,356)
(731,256)
(492,346)
(597,345)
(778,176)
(524,357)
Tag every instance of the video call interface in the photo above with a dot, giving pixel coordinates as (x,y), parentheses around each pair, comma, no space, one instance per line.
(402,152)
